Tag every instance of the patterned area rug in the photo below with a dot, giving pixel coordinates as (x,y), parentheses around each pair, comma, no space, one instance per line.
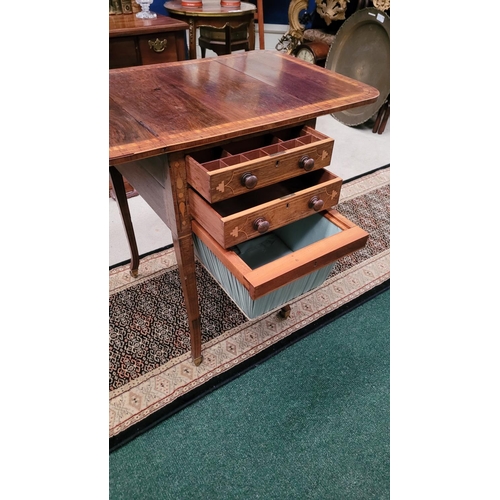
(150,369)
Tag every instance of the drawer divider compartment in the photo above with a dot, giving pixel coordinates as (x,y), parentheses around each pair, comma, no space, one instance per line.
(217,174)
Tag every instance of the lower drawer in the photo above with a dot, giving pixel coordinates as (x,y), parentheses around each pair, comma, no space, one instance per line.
(267,272)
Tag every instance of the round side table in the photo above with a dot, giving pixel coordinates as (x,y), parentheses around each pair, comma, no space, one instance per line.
(214,15)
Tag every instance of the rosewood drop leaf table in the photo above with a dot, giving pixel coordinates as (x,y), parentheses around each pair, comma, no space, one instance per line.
(225,151)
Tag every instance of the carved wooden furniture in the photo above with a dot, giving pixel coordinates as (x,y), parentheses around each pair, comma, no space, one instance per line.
(213,14)
(231,38)
(226,148)
(134,42)
(223,40)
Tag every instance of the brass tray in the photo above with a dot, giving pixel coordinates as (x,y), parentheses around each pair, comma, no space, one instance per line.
(361,50)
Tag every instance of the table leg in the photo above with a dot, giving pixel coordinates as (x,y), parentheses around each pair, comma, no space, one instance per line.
(251,34)
(260,23)
(192,39)
(180,226)
(380,114)
(121,198)
(184,252)
(385,118)
(382,117)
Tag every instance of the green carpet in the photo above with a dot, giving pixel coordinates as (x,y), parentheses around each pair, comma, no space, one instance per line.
(312,422)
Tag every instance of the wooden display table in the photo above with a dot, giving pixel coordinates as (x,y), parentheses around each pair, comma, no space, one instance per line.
(213,14)
(201,139)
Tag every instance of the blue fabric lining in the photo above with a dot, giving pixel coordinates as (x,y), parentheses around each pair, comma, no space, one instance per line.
(265,249)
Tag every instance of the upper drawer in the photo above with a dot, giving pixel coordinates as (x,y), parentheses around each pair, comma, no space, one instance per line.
(158,48)
(251,214)
(221,173)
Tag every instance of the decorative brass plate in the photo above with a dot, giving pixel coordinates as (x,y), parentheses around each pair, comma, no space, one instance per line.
(361,50)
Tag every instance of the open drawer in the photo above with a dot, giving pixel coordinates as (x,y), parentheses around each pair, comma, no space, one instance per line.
(267,272)
(222,172)
(249,215)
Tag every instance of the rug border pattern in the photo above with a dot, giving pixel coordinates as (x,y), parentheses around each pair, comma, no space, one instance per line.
(147,394)
(136,400)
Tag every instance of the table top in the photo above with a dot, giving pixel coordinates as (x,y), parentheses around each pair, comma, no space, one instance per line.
(209,8)
(128,24)
(187,104)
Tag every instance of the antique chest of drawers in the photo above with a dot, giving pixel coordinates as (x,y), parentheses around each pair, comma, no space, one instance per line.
(136,42)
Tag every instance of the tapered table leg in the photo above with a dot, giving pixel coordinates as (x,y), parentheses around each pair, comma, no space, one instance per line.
(176,202)
(192,39)
(121,198)
(384,120)
(382,117)
(380,114)
(184,252)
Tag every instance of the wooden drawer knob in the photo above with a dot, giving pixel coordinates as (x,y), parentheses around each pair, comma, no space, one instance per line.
(249,180)
(316,203)
(261,225)
(306,162)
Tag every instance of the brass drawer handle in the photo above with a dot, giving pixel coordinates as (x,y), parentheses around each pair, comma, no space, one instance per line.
(249,180)
(316,203)
(261,225)
(158,45)
(306,162)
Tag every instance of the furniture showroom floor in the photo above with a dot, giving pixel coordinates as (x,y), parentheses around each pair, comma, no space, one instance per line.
(356,150)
